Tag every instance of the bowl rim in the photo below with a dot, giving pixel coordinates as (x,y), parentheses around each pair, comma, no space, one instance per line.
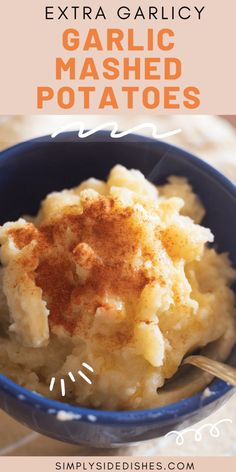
(181,408)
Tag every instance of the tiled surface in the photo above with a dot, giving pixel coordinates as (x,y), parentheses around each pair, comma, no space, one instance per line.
(215,141)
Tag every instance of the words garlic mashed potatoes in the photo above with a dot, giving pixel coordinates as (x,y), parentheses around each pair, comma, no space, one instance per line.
(115,274)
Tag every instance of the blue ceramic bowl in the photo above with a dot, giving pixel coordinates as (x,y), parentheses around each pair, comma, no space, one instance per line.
(28,172)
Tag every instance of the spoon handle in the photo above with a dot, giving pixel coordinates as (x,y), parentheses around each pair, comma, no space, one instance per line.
(218,369)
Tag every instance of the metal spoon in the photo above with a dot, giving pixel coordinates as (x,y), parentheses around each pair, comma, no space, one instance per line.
(216,368)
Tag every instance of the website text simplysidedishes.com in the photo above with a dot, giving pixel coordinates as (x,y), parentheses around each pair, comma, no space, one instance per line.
(169,465)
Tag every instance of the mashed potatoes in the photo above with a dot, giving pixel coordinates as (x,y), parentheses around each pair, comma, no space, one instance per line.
(116,275)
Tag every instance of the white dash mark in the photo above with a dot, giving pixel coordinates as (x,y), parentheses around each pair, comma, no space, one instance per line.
(71,376)
(21,397)
(115,133)
(63,391)
(52,383)
(87,366)
(84,376)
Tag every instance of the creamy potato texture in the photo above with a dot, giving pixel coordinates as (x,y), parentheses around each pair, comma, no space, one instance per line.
(115,274)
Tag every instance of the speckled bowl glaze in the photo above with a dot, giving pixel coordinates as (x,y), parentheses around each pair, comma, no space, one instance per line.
(28,172)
